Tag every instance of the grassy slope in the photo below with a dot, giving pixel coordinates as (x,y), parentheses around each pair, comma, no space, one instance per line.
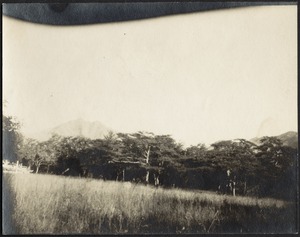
(55,204)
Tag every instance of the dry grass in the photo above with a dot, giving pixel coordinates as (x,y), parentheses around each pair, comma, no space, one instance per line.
(62,205)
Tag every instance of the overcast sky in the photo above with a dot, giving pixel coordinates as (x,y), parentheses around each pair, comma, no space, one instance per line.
(200,77)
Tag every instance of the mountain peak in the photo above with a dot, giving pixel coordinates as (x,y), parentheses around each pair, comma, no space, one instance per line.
(74,128)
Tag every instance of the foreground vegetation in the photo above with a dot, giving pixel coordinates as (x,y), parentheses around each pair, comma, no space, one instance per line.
(64,205)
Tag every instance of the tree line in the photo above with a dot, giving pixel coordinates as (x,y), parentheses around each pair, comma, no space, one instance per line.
(234,166)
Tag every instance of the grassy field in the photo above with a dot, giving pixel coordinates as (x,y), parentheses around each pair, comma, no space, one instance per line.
(61,205)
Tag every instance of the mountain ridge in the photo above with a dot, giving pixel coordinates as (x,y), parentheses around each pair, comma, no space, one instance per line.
(97,130)
(289,138)
(74,128)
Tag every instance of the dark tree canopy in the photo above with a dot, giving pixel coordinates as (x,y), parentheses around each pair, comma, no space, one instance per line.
(267,169)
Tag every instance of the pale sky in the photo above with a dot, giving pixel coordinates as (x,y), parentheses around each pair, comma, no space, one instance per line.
(200,77)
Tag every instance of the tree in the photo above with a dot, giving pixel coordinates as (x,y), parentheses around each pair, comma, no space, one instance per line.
(271,157)
(277,166)
(95,157)
(11,138)
(197,151)
(137,148)
(67,151)
(36,153)
(236,157)
(110,138)
(149,151)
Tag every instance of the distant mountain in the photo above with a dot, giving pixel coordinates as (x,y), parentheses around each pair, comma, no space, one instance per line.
(288,139)
(79,127)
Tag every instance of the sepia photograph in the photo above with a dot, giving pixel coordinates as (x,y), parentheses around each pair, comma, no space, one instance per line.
(150,118)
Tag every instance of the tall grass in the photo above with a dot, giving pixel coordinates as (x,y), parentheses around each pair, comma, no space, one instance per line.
(62,205)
